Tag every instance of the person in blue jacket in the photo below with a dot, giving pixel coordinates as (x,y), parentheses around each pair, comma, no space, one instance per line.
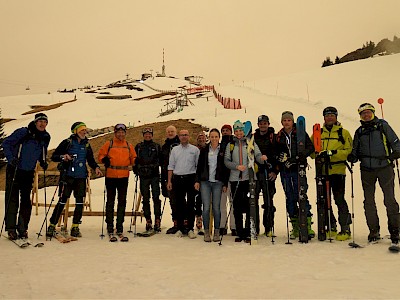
(23,149)
(72,155)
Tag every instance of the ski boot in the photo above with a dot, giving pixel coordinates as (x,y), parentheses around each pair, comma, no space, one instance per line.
(157,225)
(174,229)
(75,231)
(23,235)
(343,235)
(311,233)
(51,230)
(294,233)
(233,232)
(149,225)
(374,236)
(12,235)
(332,233)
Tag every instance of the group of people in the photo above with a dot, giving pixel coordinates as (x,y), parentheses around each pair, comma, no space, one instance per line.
(210,180)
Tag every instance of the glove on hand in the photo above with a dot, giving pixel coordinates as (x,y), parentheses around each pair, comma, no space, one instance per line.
(44,165)
(14,162)
(327,153)
(106,161)
(283,157)
(394,155)
(352,158)
(289,163)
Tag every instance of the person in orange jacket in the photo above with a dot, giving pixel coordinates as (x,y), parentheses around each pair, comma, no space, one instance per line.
(117,155)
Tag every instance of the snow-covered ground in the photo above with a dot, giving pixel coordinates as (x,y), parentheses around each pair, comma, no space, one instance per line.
(168,267)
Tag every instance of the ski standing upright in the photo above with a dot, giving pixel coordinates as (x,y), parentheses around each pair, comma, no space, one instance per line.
(302,166)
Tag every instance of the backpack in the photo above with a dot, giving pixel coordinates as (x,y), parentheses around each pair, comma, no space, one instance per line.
(340,136)
(378,126)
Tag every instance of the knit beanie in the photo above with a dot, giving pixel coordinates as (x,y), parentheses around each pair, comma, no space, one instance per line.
(77,126)
(238,125)
(287,115)
(40,116)
(227,126)
(330,110)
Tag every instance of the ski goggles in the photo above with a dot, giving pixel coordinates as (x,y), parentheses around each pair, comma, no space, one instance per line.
(120,127)
(147,130)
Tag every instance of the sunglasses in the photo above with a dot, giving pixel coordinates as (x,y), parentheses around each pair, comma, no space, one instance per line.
(147,130)
(120,127)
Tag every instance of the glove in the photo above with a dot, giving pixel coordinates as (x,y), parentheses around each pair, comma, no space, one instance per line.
(14,162)
(327,153)
(394,155)
(283,157)
(44,165)
(106,161)
(289,163)
(352,158)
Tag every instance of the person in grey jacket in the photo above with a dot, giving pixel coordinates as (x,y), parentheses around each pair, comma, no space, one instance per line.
(236,160)
(376,146)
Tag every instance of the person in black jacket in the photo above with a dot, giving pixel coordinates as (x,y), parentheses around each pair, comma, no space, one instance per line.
(147,168)
(264,137)
(211,179)
(288,159)
(23,149)
(171,141)
(72,155)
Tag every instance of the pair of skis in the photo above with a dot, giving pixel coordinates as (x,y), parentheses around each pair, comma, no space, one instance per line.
(25,243)
(115,237)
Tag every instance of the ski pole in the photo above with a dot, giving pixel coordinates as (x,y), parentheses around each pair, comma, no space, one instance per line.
(287,217)
(11,188)
(44,184)
(352,244)
(47,212)
(104,205)
(133,206)
(230,210)
(328,199)
(162,211)
(380,101)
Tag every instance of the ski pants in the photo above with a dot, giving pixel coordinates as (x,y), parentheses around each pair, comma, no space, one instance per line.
(17,196)
(114,185)
(225,199)
(385,177)
(145,184)
(241,205)
(171,197)
(337,184)
(183,187)
(211,192)
(268,189)
(66,187)
(290,183)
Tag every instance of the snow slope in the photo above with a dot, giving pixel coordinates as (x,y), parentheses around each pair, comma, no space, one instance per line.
(167,267)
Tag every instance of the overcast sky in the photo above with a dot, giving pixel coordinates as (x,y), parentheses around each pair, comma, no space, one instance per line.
(57,44)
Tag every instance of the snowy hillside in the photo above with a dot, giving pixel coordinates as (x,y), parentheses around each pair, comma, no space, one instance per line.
(167,267)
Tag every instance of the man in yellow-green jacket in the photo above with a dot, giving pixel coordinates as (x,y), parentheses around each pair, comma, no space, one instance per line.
(336,145)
